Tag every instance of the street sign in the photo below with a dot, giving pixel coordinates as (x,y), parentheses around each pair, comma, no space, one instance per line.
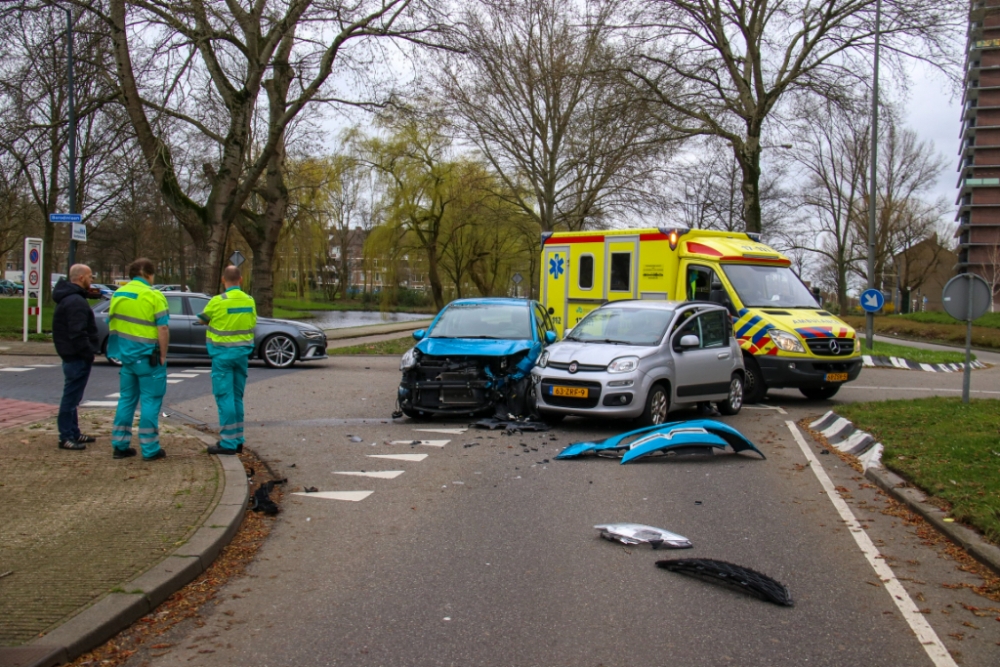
(79,232)
(65,217)
(32,282)
(237,258)
(955,296)
(516,278)
(872,300)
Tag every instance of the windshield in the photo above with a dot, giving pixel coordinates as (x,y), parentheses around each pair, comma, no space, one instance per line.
(769,287)
(495,320)
(631,326)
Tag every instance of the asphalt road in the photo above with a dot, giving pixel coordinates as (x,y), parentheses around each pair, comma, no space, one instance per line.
(486,554)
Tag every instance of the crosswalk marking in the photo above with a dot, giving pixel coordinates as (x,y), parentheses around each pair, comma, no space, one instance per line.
(400,457)
(353,496)
(42,365)
(426,443)
(114,395)
(198,370)
(378,474)
(15,369)
(174,381)
(182,375)
(99,404)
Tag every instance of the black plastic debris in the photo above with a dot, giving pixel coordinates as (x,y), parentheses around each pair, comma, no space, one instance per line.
(470,444)
(310,489)
(511,425)
(261,501)
(732,576)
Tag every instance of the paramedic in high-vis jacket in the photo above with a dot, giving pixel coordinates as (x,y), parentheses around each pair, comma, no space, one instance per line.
(139,336)
(231,317)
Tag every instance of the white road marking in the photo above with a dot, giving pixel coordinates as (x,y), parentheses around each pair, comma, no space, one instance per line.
(99,404)
(936,650)
(174,381)
(198,370)
(426,443)
(15,369)
(765,407)
(955,391)
(378,474)
(400,457)
(353,496)
(182,375)
(452,431)
(114,395)
(43,365)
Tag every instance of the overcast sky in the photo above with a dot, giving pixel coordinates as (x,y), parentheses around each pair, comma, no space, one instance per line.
(933,112)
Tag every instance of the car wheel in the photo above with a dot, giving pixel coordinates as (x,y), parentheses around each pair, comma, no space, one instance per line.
(754,387)
(733,404)
(657,406)
(279,351)
(820,393)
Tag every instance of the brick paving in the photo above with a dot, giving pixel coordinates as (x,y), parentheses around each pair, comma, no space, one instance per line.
(76,525)
(16,413)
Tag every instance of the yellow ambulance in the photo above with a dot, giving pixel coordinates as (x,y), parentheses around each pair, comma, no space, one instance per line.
(787,339)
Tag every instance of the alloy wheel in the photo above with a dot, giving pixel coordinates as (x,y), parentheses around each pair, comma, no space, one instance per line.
(279,351)
(658,406)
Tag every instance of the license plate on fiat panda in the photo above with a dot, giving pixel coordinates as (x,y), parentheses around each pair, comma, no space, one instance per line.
(836,377)
(570,392)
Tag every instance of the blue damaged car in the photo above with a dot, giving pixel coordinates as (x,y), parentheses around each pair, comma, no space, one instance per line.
(475,357)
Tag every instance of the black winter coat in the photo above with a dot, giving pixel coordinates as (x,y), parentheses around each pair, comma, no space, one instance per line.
(74,330)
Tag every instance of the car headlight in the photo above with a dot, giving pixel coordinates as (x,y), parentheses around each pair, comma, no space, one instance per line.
(311,334)
(409,359)
(623,365)
(543,360)
(786,341)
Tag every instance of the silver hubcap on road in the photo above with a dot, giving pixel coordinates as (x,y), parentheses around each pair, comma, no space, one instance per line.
(736,394)
(280,351)
(658,407)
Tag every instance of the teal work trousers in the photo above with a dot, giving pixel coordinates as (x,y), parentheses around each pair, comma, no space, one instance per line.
(229,380)
(140,384)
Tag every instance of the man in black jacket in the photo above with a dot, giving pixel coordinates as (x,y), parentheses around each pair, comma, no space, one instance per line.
(74,333)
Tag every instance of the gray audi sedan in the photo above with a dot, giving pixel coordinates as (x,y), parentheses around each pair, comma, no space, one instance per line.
(279,343)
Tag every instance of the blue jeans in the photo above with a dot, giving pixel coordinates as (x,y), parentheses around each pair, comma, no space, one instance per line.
(76,372)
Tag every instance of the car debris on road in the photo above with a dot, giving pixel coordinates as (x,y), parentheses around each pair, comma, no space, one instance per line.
(636,533)
(696,436)
(732,576)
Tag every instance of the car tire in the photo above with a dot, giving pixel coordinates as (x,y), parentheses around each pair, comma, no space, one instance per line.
(820,393)
(734,403)
(279,351)
(657,406)
(754,387)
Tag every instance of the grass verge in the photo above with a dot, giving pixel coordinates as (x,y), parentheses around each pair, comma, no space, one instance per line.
(948,449)
(395,346)
(343,304)
(954,334)
(916,354)
(989,320)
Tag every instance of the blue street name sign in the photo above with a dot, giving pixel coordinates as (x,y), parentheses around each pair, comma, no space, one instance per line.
(65,217)
(872,300)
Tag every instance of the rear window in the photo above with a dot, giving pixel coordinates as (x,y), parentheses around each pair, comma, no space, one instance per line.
(586,272)
(621,272)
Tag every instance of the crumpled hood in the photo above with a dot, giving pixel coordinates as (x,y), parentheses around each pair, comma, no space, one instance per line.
(64,288)
(476,347)
(596,354)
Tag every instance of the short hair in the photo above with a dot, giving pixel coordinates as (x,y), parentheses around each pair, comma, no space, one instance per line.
(141,267)
(231,274)
(77,271)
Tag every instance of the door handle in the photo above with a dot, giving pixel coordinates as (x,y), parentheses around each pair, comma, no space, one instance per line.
(723,355)
(199,323)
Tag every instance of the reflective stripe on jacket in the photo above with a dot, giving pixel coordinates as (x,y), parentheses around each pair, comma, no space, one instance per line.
(231,318)
(135,313)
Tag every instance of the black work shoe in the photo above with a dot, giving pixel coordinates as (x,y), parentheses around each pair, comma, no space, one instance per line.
(85,438)
(222,451)
(124,453)
(160,454)
(72,444)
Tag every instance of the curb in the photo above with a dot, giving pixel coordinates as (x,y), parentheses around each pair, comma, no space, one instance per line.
(117,611)
(875,361)
(846,437)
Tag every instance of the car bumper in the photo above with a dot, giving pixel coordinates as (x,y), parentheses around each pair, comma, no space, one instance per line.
(311,350)
(779,372)
(607,395)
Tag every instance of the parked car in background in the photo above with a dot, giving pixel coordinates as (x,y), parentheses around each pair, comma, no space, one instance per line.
(279,343)
(105,291)
(641,359)
(10,288)
(172,288)
(475,357)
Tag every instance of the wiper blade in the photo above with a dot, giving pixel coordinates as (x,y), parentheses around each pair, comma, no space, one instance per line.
(481,337)
(614,342)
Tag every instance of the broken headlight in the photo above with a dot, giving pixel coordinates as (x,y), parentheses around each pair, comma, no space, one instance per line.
(409,359)
(786,341)
(543,360)
(623,365)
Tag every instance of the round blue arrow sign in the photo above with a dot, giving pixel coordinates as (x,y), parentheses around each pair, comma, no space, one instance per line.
(872,300)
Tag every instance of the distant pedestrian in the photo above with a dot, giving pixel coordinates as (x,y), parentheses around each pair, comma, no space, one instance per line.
(139,337)
(231,318)
(74,333)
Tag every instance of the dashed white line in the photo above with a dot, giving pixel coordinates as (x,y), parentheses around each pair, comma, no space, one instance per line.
(400,457)
(15,369)
(114,395)
(43,365)
(378,474)
(353,496)
(99,404)
(182,375)
(174,381)
(918,623)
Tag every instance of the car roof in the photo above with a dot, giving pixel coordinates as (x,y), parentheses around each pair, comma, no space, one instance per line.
(646,304)
(491,301)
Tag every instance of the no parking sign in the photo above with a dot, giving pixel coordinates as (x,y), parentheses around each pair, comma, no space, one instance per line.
(32,281)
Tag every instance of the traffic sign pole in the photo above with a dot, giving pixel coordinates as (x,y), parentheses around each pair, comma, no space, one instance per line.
(967,376)
(32,280)
(967,297)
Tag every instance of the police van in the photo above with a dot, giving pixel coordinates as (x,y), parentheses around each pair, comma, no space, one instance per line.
(787,339)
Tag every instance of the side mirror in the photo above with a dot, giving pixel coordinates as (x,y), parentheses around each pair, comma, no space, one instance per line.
(419,334)
(690,340)
(551,337)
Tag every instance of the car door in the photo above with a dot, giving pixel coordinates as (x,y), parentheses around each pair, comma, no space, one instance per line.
(180,326)
(199,345)
(702,372)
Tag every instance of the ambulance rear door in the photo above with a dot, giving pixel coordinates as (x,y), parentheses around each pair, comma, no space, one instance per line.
(621,263)
(555,284)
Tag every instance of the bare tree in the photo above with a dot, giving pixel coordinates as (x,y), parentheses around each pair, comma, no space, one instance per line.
(727,68)
(992,262)
(537,90)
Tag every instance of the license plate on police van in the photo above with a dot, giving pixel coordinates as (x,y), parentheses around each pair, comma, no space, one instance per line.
(836,377)
(571,392)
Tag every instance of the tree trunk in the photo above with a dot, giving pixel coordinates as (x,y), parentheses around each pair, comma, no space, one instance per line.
(748,157)
(434,277)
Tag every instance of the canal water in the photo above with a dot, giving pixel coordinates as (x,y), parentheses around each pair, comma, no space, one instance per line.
(340,319)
